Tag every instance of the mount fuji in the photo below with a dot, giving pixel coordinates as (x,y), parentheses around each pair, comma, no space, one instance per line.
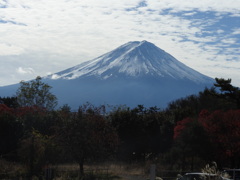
(132,74)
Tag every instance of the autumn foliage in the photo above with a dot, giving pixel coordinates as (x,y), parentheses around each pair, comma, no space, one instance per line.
(223,129)
(181,126)
(188,134)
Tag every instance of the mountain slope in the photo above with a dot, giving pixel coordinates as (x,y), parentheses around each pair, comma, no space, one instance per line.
(133,59)
(134,73)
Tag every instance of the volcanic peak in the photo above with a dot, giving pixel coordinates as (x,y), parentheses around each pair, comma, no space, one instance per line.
(133,59)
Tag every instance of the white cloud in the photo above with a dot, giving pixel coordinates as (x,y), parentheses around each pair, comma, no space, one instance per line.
(27,70)
(8,49)
(229,41)
(203,5)
(50,36)
(236,31)
(54,76)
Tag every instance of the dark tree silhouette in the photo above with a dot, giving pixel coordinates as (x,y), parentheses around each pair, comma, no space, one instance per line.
(228,91)
(86,134)
(36,93)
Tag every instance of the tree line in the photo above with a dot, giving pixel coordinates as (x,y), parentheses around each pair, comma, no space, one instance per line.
(188,134)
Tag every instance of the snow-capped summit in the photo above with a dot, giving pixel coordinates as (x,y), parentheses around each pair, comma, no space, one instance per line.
(133,59)
(132,74)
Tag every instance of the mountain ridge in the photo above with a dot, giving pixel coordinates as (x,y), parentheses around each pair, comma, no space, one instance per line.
(134,59)
(137,72)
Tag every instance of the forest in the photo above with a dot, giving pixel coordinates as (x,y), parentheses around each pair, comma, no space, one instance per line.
(188,134)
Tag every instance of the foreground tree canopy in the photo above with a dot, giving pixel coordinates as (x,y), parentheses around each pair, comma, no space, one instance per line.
(87,135)
(228,91)
(189,133)
(36,93)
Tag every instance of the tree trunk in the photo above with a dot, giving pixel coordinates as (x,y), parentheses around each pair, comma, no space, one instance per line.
(31,166)
(192,163)
(81,170)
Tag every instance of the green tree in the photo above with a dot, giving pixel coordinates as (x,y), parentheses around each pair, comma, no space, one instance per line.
(86,135)
(144,132)
(36,93)
(9,101)
(210,99)
(228,91)
(36,151)
(184,107)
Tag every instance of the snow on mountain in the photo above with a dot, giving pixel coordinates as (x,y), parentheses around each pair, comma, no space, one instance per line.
(132,74)
(133,59)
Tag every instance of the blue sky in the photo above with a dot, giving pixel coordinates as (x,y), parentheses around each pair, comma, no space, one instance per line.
(42,37)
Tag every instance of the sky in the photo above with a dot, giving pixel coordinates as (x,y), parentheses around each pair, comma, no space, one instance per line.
(41,37)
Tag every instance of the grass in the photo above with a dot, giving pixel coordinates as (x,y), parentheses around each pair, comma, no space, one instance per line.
(110,171)
(11,169)
(101,171)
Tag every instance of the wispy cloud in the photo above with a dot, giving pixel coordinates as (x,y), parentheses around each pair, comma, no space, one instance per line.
(202,34)
(26,70)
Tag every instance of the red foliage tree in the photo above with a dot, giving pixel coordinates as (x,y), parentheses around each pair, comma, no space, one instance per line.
(181,126)
(4,109)
(38,118)
(223,129)
(191,143)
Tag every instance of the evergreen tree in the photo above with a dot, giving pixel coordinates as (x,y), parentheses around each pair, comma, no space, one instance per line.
(11,102)
(228,91)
